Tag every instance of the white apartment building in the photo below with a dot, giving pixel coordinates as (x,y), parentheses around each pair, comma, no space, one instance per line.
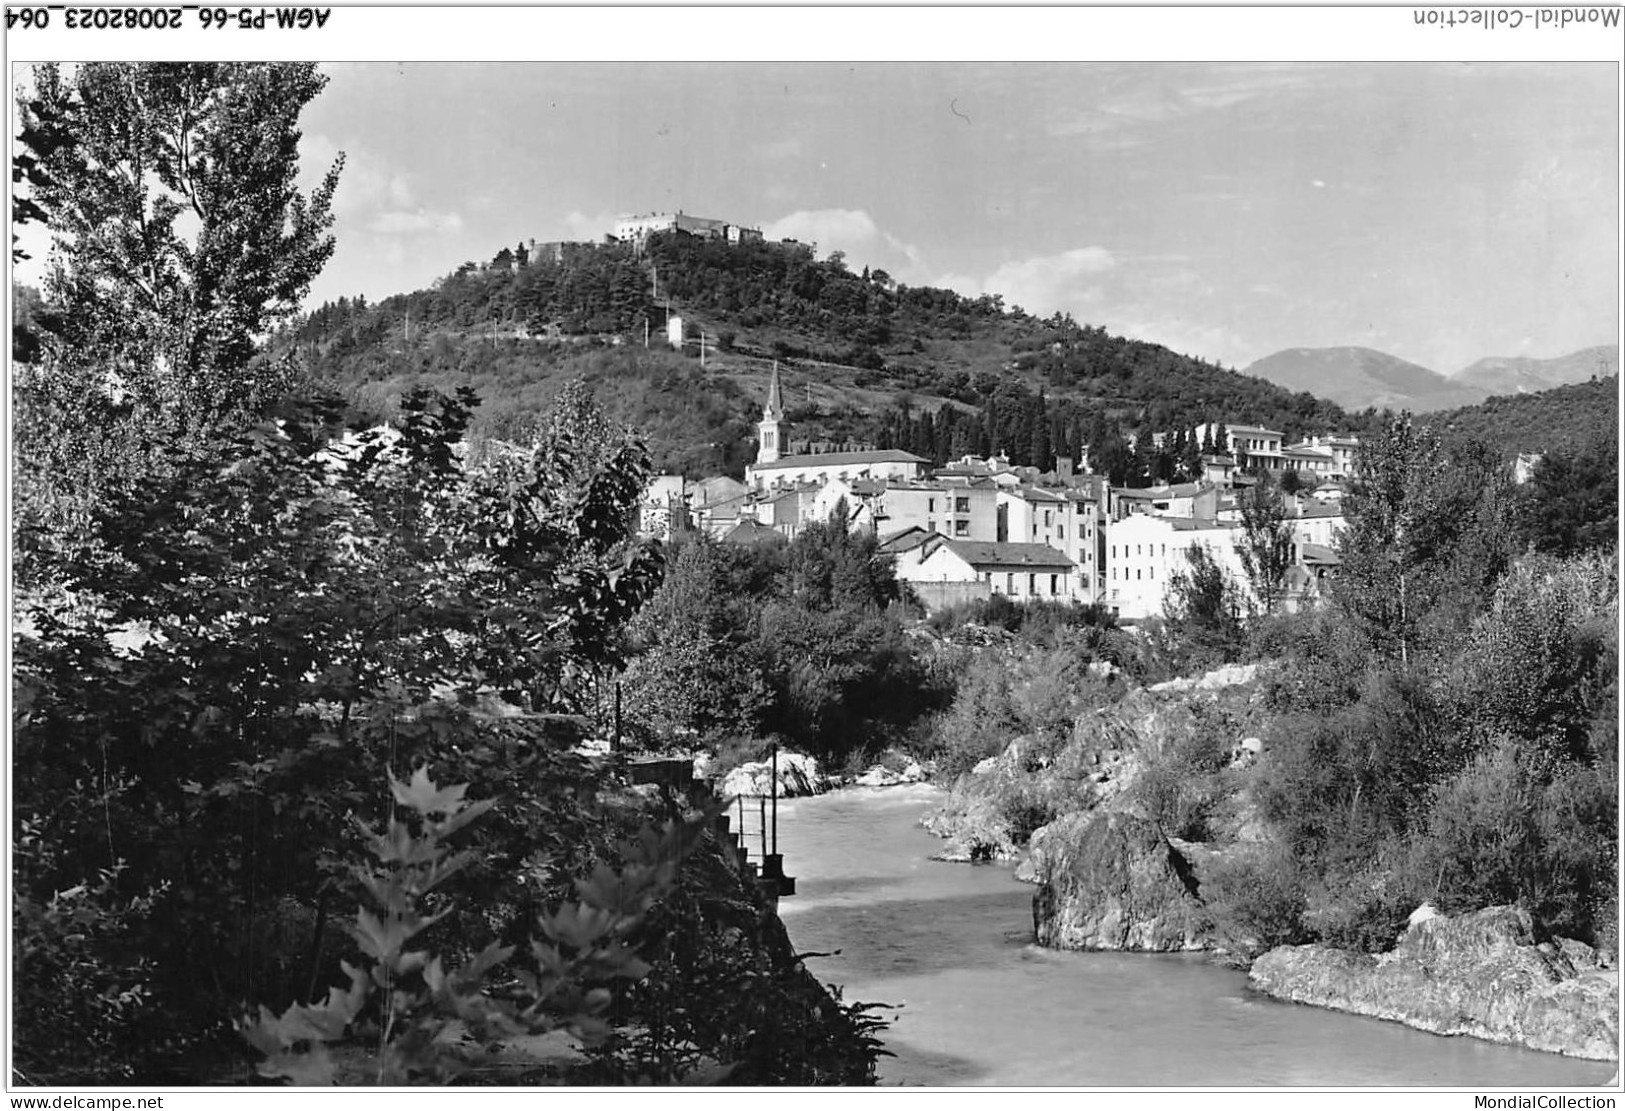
(1143,553)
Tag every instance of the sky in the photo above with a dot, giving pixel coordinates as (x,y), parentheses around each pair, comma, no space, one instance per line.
(1441,212)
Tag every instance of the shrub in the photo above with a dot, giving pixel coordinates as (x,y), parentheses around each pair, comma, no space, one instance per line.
(408,1005)
(1499,832)
(981,721)
(80,988)
(1256,899)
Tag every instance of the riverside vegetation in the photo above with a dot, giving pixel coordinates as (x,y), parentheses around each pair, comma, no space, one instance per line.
(303,786)
(304,783)
(1442,734)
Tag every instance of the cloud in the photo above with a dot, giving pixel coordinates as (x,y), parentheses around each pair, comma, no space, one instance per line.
(372,194)
(1044,284)
(854,233)
(582,227)
(1159,298)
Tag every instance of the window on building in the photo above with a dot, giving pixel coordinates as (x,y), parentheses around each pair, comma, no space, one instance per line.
(1032,584)
(961,528)
(1054,584)
(1009,582)
(1047,521)
(930,525)
(1136,574)
(961,505)
(930,505)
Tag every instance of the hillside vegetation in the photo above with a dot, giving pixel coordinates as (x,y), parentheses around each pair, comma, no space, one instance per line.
(868,359)
(1566,417)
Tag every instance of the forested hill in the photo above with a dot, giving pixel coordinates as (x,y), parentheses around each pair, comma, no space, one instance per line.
(863,357)
(1565,418)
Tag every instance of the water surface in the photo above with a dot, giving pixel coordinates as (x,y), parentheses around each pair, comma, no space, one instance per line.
(981,1005)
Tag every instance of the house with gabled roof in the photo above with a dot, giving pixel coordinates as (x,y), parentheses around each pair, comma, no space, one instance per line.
(1020,572)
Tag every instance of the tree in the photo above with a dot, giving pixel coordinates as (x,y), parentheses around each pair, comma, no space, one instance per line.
(1266,543)
(181,234)
(1571,502)
(698,667)
(306,617)
(1203,609)
(1429,532)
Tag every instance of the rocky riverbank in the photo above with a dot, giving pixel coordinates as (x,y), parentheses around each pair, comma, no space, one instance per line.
(1119,827)
(1132,830)
(1481,974)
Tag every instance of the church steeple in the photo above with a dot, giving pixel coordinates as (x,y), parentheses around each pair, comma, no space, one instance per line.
(775,400)
(769,436)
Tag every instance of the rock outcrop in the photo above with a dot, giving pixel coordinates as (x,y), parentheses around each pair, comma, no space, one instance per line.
(882,776)
(1072,815)
(1111,880)
(1480,974)
(798,775)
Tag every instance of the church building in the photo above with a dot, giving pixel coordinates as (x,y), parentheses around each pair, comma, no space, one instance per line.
(773,468)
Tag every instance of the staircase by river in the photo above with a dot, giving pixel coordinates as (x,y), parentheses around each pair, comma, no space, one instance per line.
(676,776)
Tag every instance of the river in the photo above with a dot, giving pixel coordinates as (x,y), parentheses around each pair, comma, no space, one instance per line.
(981,1005)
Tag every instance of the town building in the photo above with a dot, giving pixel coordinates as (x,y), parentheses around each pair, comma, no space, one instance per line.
(772,468)
(1186,499)
(1143,552)
(663,510)
(959,511)
(1317,522)
(947,572)
(1067,520)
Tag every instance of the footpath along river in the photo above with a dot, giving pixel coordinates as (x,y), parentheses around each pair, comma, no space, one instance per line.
(982,1005)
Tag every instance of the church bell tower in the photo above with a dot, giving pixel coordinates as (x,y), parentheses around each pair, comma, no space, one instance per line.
(770,431)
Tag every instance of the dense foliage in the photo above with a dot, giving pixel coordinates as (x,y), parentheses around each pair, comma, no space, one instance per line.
(803,640)
(252,639)
(1565,417)
(1447,730)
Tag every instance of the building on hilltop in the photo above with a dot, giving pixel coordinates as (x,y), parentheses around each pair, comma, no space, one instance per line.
(636,229)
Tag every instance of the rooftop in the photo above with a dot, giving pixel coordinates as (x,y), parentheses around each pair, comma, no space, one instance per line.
(839,459)
(987,553)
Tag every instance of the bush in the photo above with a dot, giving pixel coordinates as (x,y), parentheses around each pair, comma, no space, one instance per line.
(81,990)
(1362,907)
(1256,900)
(981,721)
(1183,786)
(1498,832)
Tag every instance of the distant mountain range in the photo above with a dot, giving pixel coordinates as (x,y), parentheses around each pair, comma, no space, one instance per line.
(1359,377)
(1525,375)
